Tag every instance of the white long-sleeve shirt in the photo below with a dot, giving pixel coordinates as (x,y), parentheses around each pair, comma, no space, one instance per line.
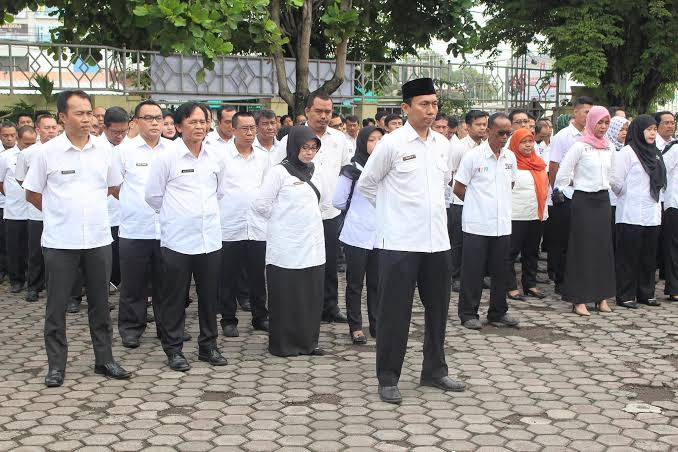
(561,143)
(186,190)
(405,178)
(360,224)
(631,184)
(295,237)
(588,168)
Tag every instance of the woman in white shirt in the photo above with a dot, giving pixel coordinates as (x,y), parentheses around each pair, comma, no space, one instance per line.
(639,177)
(616,135)
(589,268)
(358,235)
(295,248)
(528,213)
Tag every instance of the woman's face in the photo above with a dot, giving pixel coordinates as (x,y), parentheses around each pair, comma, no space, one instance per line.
(168,130)
(526,146)
(622,133)
(372,141)
(308,151)
(601,128)
(650,134)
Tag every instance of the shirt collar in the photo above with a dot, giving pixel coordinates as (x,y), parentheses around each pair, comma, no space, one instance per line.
(487,151)
(90,143)
(412,135)
(183,149)
(258,145)
(574,131)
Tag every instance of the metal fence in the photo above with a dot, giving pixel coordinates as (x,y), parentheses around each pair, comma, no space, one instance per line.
(110,70)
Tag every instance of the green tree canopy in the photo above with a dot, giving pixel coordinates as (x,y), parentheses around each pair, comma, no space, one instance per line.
(625,48)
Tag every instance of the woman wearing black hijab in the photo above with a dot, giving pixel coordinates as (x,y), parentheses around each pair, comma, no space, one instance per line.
(358,235)
(295,248)
(639,176)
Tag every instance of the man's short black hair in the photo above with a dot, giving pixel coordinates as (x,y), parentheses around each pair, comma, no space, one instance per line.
(472,115)
(659,114)
(368,121)
(23,130)
(22,115)
(42,116)
(515,112)
(440,115)
(322,95)
(264,114)
(115,115)
(452,122)
(391,117)
(186,109)
(284,117)
(222,109)
(137,109)
(62,99)
(493,118)
(541,124)
(380,114)
(583,100)
(7,125)
(242,114)
(614,109)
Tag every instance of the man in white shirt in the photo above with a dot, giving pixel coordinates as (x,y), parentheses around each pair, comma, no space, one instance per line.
(224,130)
(24,119)
(452,126)
(265,140)
(69,180)
(140,260)
(352,129)
(405,179)
(559,215)
(666,128)
(16,210)
(519,119)
(8,141)
(476,125)
(115,128)
(7,135)
(484,182)
(243,234)
(99,113)
(394,122)
(46,126)
(184,186)
(332,156)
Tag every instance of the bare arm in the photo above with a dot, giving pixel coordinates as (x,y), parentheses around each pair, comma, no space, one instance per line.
(114,191)
(553,170)
(35,199)
(459,190)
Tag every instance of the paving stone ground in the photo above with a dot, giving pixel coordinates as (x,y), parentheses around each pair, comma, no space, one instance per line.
(561,382)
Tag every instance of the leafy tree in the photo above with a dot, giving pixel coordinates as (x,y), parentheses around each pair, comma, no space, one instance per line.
(625,48)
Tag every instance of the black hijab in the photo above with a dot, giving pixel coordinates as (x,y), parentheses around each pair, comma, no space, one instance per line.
(648,154)
(361,155)
(297,137)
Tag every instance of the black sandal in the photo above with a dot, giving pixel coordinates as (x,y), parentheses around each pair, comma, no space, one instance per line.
(359,339)
(515,297)
(535,294)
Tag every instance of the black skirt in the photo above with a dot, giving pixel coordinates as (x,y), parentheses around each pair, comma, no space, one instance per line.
(589,270)
(295,304)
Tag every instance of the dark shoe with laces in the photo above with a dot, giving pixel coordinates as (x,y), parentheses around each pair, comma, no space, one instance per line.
(334,318)
(130,342)
(260,325)
(445,383)
(213,357)
(54,378)
(472,324)
(505,320)
(630,304)
(231,330)
(112,370)
(178,362)
(390,394)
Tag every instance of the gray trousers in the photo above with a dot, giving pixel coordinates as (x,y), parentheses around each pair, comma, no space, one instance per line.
(62,271)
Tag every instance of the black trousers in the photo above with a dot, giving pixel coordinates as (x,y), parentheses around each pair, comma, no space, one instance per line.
(483,253)
(361,264)
(456,237)
(559,224)
(525,239)
(661,245)
(63,268)
(140,264)
(399,273)
(251,254)
(331,303)
(115,249)
(3,244)
(635,261)
(171,306)
(671,251)
(16,233)
(36,263)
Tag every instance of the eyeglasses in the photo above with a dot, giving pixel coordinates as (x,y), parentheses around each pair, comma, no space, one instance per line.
(149,118)
(504,133)
(247,128)
(308,147)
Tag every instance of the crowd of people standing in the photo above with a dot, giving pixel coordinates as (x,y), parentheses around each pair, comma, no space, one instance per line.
(260,211)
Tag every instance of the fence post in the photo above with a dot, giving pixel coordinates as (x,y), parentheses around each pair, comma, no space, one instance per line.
(11,69)
(124,69)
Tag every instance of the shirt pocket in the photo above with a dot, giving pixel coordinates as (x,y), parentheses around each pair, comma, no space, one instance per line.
(406,166)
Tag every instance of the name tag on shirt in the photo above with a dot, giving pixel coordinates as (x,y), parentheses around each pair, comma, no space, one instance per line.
(299,183)
(409,157)
(187,170)
(68,171)
(508,166)
(483,169)
(142,164)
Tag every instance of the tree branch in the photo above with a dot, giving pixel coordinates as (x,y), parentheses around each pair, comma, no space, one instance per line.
(333,84)
(279,59)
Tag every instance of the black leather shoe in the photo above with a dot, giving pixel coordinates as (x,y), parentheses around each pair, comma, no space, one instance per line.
(231,330)
(318,352)
(32,296)
(245,305)
(535,294)
(130,342)
(186,337)
(472,324)
(73,308)
(261,325)
(54,378)
(445,383)
(178,362)
(650,302)
(213,356)
(112,370)
(487,282)
(630,304)
(16,287)
(334,318)
(456,286)
(390,394)
(504,320)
